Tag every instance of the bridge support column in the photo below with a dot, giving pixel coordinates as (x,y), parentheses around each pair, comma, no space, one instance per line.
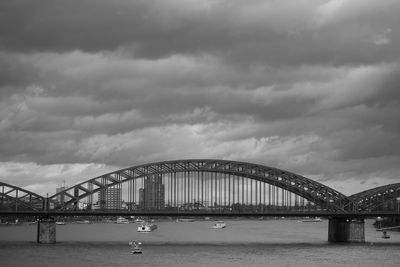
(46,231)
(346,230)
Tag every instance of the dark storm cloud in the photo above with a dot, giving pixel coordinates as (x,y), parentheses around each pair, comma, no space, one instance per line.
(300,32)
(68,25)
(100,25)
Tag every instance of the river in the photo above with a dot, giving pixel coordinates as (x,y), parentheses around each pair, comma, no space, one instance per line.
(241,243)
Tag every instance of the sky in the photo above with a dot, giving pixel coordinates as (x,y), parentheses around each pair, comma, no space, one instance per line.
(92,86)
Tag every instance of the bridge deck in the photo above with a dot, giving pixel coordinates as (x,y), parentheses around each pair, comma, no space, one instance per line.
(201,214)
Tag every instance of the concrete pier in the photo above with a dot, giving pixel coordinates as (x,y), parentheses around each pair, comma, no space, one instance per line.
(346,230)
(46,231)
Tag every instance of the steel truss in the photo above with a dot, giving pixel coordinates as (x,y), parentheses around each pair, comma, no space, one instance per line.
(383,197)
(313,191)
(18,199)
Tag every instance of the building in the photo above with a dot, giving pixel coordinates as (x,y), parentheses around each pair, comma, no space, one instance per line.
(141,198)
(152,196)
(61,199)
(110,198)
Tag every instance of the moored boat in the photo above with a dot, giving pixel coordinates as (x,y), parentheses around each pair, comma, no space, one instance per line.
(147,227)
(316,219)
(60,223)
(219,225)
(122,220)
(83,222)
(185,220)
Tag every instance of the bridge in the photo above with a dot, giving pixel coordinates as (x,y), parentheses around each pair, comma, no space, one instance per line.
(206,187)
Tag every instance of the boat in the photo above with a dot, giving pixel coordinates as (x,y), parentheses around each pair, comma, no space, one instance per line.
(138,220)
(185,220)
(17,222)
(316,219)
(122,220)
(388,228)
(385,235)
(60,223)
(146,227)
(135,247)
(83,222)
(219,225)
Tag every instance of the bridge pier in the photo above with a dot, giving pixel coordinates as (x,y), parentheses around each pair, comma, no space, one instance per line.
(46,231)
(346,230)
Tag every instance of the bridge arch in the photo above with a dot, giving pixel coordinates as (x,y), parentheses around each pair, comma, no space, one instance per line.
(375,198)
(313,191)
(17,199)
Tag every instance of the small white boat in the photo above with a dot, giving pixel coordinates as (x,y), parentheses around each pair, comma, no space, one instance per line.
(60,223)
(138,220)
(385,235)
(219,225)
(83,222)
(122,220)
(316,219)
(185,220)
(135,247)
(147,227)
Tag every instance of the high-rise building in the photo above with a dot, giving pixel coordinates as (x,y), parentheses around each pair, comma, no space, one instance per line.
(61,198)
(141,198)
(110,198)
(152,196)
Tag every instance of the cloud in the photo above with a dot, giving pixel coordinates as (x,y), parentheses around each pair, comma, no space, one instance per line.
(382,38)
(126,96)
(283,32)
(308,86)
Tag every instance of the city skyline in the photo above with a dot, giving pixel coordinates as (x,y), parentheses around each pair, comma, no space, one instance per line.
(90,87)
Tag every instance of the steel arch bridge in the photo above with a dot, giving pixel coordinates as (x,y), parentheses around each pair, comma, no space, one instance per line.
(18,199)
(201,185)
(222,184)
(380,198)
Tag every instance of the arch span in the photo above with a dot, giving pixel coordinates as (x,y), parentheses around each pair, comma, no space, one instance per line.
(378,197)
(16,198)
(313,191)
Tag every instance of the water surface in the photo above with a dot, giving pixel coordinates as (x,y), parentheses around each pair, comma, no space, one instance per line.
(242,243)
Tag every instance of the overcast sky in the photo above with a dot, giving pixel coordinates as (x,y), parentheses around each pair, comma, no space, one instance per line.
(309,86)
